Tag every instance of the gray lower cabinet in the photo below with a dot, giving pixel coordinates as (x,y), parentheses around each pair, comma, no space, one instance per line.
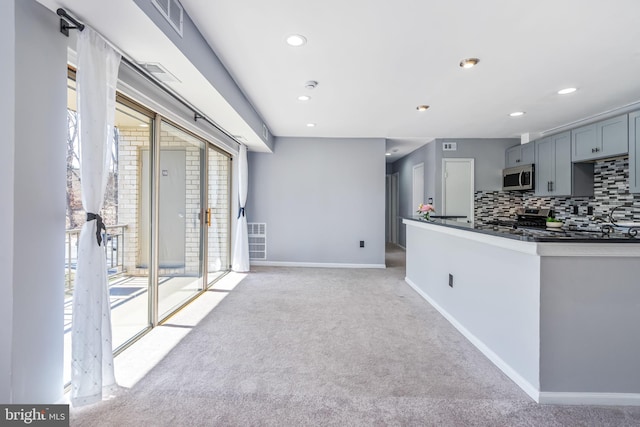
(555,174)
(634,152)
(600,140)
(523,154)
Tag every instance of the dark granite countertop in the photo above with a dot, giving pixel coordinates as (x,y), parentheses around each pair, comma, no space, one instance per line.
(594,234)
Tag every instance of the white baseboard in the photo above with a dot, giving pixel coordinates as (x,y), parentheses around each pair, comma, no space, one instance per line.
(525,385)
(543,397)
(315,264)
(608,399)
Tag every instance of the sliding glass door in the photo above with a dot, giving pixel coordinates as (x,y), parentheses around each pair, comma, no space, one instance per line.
(218,206)
(180,177)
(167,213)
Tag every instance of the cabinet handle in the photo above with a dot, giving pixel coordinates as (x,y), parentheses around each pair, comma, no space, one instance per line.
(597,149)
(548,185)
(551,185)
(518,161)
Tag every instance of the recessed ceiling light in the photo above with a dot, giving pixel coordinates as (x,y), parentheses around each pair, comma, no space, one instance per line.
(143,125)
(422,107)
(387,154)
(296,40)
(310,125)
(304,98)
(469,62)
(567,90)
(517,114)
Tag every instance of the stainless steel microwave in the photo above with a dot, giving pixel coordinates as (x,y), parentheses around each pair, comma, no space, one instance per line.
(519,178)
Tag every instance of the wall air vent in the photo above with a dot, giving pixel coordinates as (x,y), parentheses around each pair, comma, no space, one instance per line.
(159,72)
(172,11)
(257,240)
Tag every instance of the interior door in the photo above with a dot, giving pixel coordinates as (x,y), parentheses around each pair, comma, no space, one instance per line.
(458,188)
(395,218)
(418,188)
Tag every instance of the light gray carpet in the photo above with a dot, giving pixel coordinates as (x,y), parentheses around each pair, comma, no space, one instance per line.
(339,347)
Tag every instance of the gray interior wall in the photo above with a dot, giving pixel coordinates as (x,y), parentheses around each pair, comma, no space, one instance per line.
(404,168)
(319,197)
(488,154)
(495,293)
(39,205)
(589,339)
(489,162)
(7,116)
(193,45)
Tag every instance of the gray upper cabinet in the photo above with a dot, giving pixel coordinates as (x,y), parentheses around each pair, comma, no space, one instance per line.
(555,174)
(523,154)
(634,152)
(600,140)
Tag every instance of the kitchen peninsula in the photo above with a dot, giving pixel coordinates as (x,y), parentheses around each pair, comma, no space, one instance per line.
(559,315)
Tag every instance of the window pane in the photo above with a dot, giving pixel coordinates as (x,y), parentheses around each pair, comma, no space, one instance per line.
(180,212)
(128,280)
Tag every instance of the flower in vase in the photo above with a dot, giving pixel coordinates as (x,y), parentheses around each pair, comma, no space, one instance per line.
(425,210)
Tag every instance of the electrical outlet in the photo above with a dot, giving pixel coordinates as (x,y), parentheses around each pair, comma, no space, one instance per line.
(362,243)
(451,280)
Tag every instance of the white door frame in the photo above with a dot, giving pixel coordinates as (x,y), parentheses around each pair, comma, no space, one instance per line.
(471,162)
(417,182)
(395,201)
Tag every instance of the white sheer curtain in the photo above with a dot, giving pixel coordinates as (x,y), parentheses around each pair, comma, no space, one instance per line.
(91,349)
(241,247)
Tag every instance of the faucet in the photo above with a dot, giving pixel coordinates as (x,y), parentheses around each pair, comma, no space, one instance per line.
(611,218)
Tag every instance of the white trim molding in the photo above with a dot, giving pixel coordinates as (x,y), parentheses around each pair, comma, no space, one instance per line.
(315,264)
(542,397)
(525,385)
(580,398)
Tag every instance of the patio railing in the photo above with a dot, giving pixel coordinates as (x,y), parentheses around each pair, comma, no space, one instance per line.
(114,248)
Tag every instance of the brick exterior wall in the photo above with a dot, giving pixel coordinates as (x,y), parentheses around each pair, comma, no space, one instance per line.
(132,143)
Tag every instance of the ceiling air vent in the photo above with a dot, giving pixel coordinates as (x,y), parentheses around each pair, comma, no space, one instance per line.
(159,72)
(172,12)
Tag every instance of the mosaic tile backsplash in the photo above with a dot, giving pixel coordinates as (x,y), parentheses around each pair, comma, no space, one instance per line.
(611,189)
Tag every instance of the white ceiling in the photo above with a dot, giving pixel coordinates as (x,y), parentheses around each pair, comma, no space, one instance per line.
(376,60)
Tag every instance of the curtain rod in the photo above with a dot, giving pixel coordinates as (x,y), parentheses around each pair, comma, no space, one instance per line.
(64,29)
(64,25)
